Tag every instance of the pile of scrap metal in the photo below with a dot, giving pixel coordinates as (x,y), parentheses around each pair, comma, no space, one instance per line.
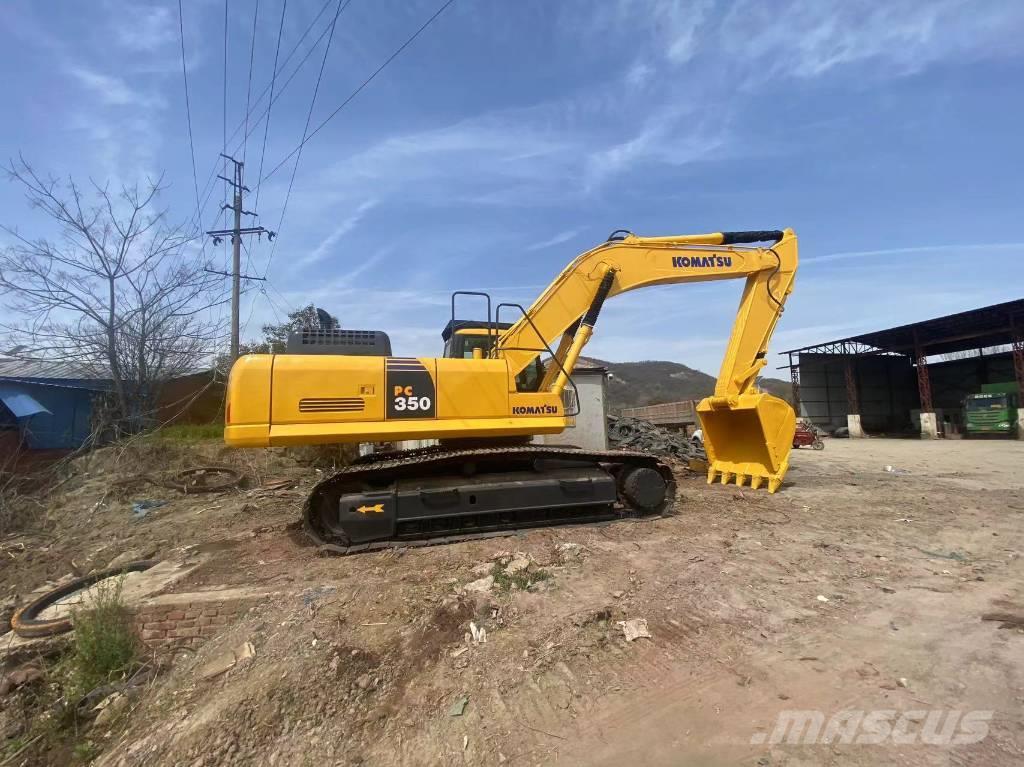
(626,433)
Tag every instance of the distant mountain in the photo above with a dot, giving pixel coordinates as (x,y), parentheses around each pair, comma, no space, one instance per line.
(653,381)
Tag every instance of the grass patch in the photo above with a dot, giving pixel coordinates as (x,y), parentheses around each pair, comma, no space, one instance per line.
(505,581)
(190,432)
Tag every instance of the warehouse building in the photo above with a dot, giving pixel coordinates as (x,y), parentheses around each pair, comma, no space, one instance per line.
(912,378)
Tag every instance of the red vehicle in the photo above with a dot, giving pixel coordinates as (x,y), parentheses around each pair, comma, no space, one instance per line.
(807,435)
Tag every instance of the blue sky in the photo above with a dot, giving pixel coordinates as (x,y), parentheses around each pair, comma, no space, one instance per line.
(512,135)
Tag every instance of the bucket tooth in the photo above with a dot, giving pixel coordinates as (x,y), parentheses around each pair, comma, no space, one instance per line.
(773,484)
(726,476)
(711,474)
(755,481)
(740,479)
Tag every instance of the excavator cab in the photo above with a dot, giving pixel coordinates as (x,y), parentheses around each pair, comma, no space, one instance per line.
(469,339)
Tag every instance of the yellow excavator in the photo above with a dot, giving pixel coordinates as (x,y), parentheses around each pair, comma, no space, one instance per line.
(497,386)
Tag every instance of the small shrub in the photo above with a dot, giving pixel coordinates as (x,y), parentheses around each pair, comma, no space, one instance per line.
(86,751)
(522,580)
(106,645)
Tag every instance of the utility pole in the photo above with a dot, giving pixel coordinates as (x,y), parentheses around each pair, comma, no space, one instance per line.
(236,233)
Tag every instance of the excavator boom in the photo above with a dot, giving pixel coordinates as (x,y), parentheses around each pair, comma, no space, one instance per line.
(490,393)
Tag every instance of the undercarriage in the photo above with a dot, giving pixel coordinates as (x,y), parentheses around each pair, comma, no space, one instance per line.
(440,494)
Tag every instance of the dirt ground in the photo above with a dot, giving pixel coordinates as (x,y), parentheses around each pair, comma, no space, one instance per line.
(854,588)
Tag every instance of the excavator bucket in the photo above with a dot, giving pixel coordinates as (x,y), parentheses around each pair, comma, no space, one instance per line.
(747,437)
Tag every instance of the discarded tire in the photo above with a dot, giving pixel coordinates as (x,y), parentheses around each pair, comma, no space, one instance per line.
(628,433)
(26,622)
(204,479)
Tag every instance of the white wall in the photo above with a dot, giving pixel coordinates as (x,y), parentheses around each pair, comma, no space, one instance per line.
(590,430)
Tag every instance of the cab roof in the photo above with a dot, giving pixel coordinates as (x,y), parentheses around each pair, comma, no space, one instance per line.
(454,326)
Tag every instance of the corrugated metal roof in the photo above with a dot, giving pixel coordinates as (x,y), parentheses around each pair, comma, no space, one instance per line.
(986,326)
(22,368)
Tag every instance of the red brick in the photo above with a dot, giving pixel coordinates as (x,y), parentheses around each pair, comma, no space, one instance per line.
(220,620)
(185,632)
(175,615)
(209,613)
(204,621)
(148,634)
(192,614)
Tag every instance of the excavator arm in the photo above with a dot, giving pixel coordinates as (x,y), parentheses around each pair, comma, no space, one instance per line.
(747,433)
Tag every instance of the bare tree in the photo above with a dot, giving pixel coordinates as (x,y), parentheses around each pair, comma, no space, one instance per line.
(119,292)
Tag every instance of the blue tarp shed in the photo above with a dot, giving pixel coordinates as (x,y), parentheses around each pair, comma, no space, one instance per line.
(50,403)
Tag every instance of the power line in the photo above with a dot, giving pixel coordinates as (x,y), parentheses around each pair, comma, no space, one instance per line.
(288,304)
(224,133)
(342,5)
(287,82)
(213,173)
(188,116)
(248,87)
(358,90)
(273,306)
(224,128)
(273,79)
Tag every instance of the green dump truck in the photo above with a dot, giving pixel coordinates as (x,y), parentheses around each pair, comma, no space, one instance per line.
(993,411)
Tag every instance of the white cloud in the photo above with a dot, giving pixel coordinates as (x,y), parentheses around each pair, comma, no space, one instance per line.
(557,239)
(639,74)
(347,224)
(757,40)
(143,28)
(675,25)
(911,251)
(111,90)
(663,138)
(808,38)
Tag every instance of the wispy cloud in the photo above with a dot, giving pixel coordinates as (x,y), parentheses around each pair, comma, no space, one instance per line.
(557,239)
(917,250)
(660,139)
(675,25)
(112,90)
(143,27)
(808,38)
(326,246)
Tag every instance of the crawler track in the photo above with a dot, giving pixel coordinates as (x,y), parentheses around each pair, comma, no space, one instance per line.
(432,462)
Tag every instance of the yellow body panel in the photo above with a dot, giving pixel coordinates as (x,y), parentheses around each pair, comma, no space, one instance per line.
(472,388)
(330,388)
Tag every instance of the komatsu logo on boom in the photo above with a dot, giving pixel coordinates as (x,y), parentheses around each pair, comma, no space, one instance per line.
(701,261)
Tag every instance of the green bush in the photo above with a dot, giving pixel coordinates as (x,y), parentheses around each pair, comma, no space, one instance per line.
(106,646)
